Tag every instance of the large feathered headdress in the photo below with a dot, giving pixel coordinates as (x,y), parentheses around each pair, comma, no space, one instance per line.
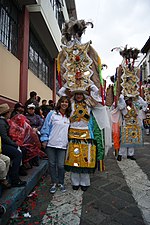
(78,64)
(73,29)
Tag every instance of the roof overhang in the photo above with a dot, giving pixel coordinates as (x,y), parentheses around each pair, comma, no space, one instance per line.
(41,29)
(146,47)
(71,8)
(26,2)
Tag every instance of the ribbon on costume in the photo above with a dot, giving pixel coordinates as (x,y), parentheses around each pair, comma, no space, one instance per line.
(59,71)
(101,79)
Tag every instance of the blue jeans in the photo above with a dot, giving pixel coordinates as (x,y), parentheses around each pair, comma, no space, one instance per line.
(56,158)
(16,157)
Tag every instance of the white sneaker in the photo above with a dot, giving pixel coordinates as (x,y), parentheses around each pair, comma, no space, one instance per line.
(62,188)
(53,189)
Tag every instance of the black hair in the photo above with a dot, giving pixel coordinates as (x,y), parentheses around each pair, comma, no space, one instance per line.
(50,102)
(78,93)
(33,94)
(44,100)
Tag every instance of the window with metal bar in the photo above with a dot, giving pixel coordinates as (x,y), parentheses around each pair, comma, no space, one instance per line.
(40,62)
(9,26)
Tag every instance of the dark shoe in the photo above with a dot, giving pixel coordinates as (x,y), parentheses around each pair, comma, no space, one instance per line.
(84,188)
(2,210)
(75,187)
(131,157)
(27,166)
(45,157)
(22,171)
(35,163)
(5,184)
(119,158)
(18,183)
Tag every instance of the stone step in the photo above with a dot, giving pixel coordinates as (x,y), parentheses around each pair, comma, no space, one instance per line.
(14,197)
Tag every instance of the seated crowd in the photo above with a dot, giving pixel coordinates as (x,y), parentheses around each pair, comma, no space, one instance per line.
(20,146)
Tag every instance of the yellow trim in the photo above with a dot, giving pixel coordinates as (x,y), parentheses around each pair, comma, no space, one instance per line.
(81,155)
(79,134)
(99,60)
(58,63)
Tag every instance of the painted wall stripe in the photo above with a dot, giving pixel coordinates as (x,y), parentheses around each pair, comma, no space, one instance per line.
(139,184)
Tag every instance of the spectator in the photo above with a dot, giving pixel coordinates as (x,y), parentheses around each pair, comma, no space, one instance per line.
(51,104)
(18,109)
(36,123)
(10,148)
(45,108)
(44,102)
(35,120)
(54,137)
(22,133)
(4,168)
(32,99)
(39,111)
(38,98)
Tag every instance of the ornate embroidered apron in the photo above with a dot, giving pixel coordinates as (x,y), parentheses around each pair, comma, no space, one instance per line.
(131,133)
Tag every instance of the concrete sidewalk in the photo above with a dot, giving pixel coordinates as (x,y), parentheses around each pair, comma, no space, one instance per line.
(13,198)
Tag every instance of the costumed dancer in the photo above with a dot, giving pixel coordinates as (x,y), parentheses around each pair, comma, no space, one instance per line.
(111,101)
(130,105)
(79,70)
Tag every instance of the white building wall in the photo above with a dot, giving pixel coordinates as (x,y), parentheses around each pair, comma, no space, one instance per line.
(45,8)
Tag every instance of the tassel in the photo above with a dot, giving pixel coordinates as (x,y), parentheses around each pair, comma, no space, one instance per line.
(103,166)
(98,165)
(101,79)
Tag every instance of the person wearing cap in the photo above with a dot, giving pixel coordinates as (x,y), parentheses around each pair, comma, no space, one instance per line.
(9,147)
(36,124)
(32,99)
(35,120)
(18,109)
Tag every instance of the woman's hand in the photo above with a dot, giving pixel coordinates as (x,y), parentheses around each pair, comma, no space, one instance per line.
(44,144)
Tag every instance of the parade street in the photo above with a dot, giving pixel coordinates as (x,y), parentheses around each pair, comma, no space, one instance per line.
(118,196)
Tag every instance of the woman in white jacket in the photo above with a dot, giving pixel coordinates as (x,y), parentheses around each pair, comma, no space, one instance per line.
(54,137)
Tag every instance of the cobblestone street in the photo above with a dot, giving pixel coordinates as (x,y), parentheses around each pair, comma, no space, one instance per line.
(118,196)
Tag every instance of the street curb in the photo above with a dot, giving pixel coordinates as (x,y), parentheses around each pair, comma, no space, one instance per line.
(14,197)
